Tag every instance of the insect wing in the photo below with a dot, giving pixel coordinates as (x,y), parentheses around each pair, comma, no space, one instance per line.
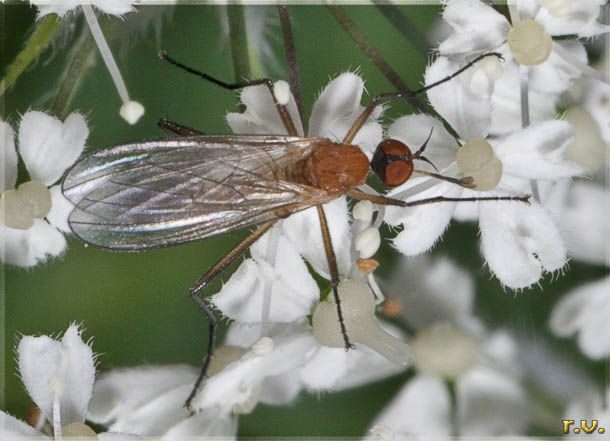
(158,193)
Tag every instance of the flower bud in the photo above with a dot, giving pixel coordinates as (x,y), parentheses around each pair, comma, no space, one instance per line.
(477,160)
(363,211)
(442,349)
(367,242)
(530,44)
(358,307)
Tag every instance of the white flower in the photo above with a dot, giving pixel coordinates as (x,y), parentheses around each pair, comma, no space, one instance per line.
(62,7)
(552,65)
(48,147)
(149,400)
(519,241)
(451,344)
(59,377)
(585,311)
(131,111)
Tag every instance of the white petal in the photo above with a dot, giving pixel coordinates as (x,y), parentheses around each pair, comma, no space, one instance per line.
(528,9)
(338,107)
(413,130)
(477,27)
(581,20)
(42,360)
(556,74)
(585,309)
(114,7)
(261,116)
(303,229)
(519,242)
(536,152)
(210,423)
(60,210)
(12,429)
(144,400)
(30,247)
(8,158)
(421,409)
(435,290)
(293,290)
(466,111)
(325,368)
(235,383)
(506,103)
(584,221)
(490,403)
(424,224)
(281,389)
(48,146)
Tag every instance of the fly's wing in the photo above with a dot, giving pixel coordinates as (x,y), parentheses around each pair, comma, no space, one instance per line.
(158,193)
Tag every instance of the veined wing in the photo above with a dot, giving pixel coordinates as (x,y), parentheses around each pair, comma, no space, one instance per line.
(158,193)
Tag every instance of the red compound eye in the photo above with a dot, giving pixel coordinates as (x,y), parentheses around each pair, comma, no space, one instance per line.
(390,162)
(393,147)
(397,173)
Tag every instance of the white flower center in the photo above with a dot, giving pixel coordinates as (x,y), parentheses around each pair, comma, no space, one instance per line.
(442,349)
(588,146)
(530,44)
(358,307)
(557,8)
(476,159)
(18,208)
(367,242)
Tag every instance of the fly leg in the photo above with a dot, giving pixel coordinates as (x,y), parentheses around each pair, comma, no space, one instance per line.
(404,95)
(384,200)
(208,277)
(334,272)
(174,128)
(282,110)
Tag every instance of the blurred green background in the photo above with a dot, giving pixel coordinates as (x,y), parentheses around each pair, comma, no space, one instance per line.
(136,306)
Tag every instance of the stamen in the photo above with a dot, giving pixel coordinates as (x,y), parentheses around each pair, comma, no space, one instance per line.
(131,111)
(57,386)
(281,90)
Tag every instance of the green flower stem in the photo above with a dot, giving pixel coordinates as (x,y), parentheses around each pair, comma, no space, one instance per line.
(38,41)
(239,41)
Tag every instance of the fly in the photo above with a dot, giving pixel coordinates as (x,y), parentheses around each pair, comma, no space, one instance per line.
(150,194)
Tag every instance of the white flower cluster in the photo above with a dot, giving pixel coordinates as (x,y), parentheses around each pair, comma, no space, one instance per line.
(285,337)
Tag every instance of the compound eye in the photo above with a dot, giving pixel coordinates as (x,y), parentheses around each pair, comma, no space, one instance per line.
(397,173)
(390,162)
(393,147)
